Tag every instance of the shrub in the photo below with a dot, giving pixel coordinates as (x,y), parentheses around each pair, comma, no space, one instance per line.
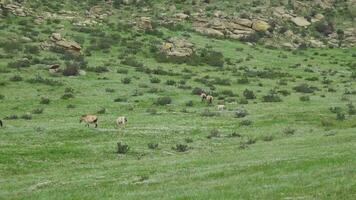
(44,100)
(70,106)
(248,94)
(189,103)
(101,111)
(67,96)
(122,148)
(46,81)
(272,96)
(2,96)
(71,70)
(208,113)
(235,134)
(267,138)
(243,80)
(245,122)
(228,93)
(304,98)
(214,134)
(324,28)
(161,101)
(304,88)
(109,90)
(126,80)
(243,101)
(351,109)
(335,109)
(22,63)
(151,111)
(120,99)
(152,145)
(37,111)
(130,61)
(181,148)
(16,78)
(122,71)
(170,82)
(100,69)
(241,113)
(197,91)
(26,116)
(340,116)
(155,80)
(11,117)
(188,140)
(211,57)
(289,131)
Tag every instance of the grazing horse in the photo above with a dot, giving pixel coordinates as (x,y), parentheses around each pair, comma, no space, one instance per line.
(203,96)
(209,99)
(89,119)
(1,124)
(121,121)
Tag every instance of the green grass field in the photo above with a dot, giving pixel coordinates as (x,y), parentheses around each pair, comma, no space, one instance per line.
(288,149)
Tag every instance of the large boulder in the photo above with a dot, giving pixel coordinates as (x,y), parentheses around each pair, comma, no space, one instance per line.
(145,23)
(260,26)
(58,40)
(243,22)
(209,32)
(177,48)
(300,21)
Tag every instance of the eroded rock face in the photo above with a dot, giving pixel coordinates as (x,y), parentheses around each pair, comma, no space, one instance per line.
(260,25)
(58,40)
(145,23)
(300,21)
(177,47)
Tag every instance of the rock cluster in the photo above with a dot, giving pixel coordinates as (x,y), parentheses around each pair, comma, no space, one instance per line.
(177,47)
(231,28)
(57,40)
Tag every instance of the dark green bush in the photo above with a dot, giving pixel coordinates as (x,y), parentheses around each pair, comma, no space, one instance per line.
(161,101)
(122,148)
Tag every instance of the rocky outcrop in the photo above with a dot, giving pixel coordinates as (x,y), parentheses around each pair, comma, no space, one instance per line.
(260,26)
(300,21)
(234,28)
(145,23)
(177,48)
(57,40)
(17,9)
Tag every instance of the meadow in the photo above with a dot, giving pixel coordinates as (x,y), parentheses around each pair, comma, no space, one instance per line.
(288,131)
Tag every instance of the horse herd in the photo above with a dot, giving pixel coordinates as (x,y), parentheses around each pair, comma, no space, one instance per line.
(93,119)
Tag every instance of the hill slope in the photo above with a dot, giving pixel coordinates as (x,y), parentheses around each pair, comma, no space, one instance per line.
(288,130)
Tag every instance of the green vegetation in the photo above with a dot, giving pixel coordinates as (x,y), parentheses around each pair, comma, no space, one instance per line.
(288,130)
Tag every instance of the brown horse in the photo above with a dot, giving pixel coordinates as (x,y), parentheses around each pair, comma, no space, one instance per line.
(203,96)
(89,119)
(209,99)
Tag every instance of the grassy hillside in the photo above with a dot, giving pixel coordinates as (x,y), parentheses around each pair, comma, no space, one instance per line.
(288,130)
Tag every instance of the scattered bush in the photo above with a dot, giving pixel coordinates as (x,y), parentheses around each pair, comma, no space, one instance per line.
(100,69)
(243,80)
(22,63)
(248,94)
(304,88)
(189,103)
(26,116)
(170,82)
(241,113)
(245,122)
(109,90)
(208,113)
(161,101)
(304,98)
(272,96)
(197,91)
(181,148)
(16,78)
(152,145)
(215,133)
(267,138)
(340,116)
(44,100)
(188,140)
(289,131)
(155,80)
(46,81)
(126,80)
(37,111)
(351,109)
(11,117)
(235,134)
(122,148)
